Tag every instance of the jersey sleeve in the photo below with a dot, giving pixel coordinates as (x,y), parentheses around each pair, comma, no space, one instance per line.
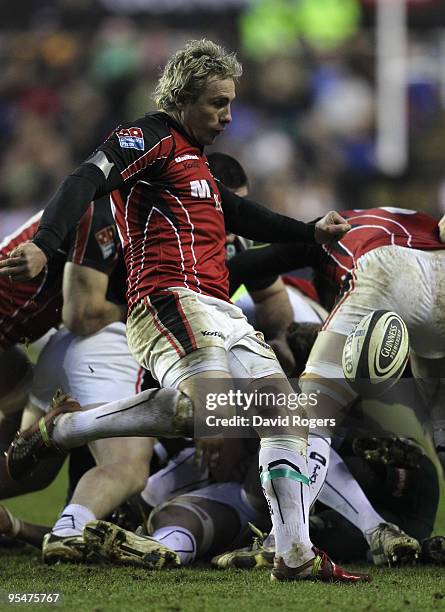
(249,219)
(143,145)
(94,242)
(272,259)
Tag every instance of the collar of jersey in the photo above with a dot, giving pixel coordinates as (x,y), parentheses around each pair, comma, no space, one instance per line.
(163,116)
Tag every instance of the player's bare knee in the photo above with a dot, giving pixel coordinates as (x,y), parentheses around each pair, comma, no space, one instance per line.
(177,513)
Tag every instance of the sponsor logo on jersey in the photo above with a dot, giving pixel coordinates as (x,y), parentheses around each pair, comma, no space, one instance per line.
(131,138)
(216,334)
(183,158)
(200,189)
(105,240)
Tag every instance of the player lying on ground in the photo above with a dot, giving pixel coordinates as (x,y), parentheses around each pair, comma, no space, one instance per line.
(205,522)
(209,520)
(172,217)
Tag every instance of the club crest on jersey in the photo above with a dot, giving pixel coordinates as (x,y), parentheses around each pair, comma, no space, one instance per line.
(105,240)
(131,138)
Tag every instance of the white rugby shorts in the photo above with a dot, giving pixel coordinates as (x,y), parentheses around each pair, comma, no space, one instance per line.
(178,333)
(408,281)
(94,369)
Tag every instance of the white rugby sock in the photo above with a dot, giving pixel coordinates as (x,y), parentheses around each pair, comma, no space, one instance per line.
(154,412)
(318,452)
(284,477)
(72,520)
(179,539)
(179,476)
(343,494)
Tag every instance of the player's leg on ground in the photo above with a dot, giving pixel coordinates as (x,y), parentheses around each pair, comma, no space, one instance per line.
(15,528)
(195,527)
(198,524)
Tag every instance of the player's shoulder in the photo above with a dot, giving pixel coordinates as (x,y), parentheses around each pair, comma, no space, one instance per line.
(156,123)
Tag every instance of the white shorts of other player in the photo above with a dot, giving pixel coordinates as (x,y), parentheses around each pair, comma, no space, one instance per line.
(407,281)
(92,369)
(165,336)
(305,309)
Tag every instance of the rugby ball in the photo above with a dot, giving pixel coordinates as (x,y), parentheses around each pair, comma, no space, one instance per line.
(376,352)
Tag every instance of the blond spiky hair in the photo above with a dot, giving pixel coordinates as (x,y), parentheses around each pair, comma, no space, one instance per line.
(189,70)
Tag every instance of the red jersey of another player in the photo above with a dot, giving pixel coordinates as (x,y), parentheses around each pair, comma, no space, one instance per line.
(29,309)
(378,227)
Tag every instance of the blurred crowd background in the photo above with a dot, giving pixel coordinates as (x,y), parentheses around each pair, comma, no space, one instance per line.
(304,122)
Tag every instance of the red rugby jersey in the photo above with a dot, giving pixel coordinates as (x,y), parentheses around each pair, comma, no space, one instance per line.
(28,309)
(168,210)
(376,227)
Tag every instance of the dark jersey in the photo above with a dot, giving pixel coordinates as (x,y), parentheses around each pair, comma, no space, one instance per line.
(233,248)
(29,309)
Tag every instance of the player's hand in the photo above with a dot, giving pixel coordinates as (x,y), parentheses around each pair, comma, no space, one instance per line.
(24,262)
(442,229)
(331,227)
(208,451)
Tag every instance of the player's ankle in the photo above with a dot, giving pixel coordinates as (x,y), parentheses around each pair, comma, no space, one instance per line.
(297,555)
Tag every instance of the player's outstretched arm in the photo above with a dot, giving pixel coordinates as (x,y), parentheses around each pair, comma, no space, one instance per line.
(246,218)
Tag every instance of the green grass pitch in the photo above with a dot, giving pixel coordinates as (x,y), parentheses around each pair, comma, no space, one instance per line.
(108,589)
